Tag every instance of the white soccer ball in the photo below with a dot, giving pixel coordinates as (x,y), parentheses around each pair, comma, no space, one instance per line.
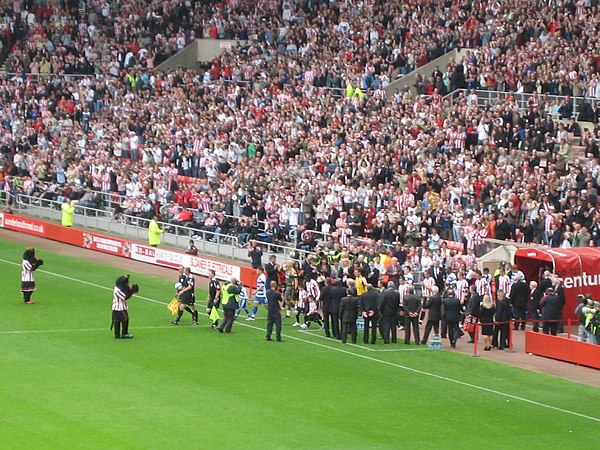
(178,286)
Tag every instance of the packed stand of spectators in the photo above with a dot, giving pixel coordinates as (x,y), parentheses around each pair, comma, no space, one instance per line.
(255,147)
(545,48)
(107,36)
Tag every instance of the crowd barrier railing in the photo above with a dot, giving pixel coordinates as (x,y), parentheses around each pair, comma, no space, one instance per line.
(567,326)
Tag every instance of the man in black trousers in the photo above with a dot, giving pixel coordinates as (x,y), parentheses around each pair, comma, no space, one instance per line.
(551,311)
(412,309)
(368,303)
(519,295)
(389,306)
(501,330)
(230,292)
(434,306)
(348,314)
(274,301)
(452,309)
(331,297)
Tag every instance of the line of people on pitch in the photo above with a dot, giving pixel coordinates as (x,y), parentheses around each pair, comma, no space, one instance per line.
(383,314)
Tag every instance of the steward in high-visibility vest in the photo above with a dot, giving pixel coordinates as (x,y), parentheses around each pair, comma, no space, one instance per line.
(230,292)
(226,296)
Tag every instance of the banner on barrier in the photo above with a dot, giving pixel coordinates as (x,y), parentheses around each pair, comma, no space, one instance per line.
(120,247)
(46,230)
(197,264)
(106,244)
(25,225)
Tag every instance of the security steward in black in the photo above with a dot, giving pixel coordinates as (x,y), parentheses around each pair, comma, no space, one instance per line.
(274,302)
(389,307)
(368,304)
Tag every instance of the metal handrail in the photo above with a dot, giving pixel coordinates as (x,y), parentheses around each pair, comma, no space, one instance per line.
(22,201)
(522,98)
(105,219)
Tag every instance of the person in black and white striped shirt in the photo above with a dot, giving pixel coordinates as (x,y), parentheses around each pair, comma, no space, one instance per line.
(120,317)
(29,265)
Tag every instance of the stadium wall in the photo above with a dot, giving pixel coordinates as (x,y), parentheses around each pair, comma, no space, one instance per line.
(562,349)
(158,256)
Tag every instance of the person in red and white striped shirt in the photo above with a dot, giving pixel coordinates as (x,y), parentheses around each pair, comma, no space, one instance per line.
(402,289)
(427,285)
(462,288)
(120,317)
(503,282)
(29,265)
(483,287)
(344,235)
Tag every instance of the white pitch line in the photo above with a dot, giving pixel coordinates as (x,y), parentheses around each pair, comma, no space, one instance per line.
(440,377)
(369,358)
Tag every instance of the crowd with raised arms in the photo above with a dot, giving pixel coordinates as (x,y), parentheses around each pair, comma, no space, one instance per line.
(260,138)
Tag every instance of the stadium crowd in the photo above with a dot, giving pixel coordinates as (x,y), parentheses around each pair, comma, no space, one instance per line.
(270,139)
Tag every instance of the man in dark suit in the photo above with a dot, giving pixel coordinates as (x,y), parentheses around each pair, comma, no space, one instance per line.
(368,303)
(519,295)
(560,291)
(274,302)
(473,308)
(272,270)
(439,275)
(337,292)
(533,304)
(545,281)
(434,306)
(551,311)
(348,315)
(451,314)
(394,271)
(389,306)
(325,300)
(372,274)
(502,315)
(412,309)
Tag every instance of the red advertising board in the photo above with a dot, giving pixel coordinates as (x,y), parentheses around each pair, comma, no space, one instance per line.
(106,244)
(578,268)
(198,264)
(43,229)
(119,247)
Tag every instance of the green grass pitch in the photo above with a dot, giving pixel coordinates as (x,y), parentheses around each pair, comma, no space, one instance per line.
(65,382)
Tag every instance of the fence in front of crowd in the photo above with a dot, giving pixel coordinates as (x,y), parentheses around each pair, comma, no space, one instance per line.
(217,244)
(567,324)
(487,97)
